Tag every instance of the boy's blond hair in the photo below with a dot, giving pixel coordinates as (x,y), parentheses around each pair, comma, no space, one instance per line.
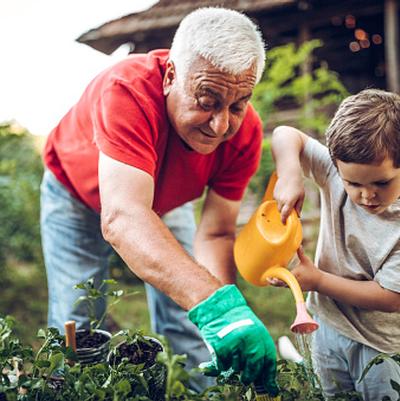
(366,128)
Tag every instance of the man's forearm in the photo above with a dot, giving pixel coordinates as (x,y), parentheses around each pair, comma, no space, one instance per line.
(153,254)
(216,253)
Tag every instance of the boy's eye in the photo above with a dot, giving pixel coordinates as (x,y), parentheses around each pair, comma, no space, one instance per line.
(353,184)
(382,183)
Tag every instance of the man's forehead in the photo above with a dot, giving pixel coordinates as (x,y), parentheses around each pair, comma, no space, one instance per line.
(202,67)
(213,81)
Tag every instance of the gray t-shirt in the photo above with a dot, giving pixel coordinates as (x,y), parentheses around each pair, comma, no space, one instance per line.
(356,245)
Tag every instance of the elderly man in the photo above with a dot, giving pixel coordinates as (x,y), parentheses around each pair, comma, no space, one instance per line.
(149,135)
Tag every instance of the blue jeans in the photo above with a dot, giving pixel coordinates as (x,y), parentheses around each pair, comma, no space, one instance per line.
(74,251)
(340,361)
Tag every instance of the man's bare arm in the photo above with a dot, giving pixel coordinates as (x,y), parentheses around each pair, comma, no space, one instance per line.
(216,235)
(142,239)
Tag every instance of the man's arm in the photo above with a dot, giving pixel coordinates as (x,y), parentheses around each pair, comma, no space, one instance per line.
(362,294)
(141,238)
(215,236)
(287,145)
(238,338)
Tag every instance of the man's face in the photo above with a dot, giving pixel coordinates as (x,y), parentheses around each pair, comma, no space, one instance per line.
(207,107)
(374,187)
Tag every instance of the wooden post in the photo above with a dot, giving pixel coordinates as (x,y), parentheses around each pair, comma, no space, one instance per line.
(306,68)
(70,337)
(391,23)
(304,36)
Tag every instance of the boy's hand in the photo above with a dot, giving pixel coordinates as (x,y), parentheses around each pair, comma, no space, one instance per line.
(289,195)
(306,273)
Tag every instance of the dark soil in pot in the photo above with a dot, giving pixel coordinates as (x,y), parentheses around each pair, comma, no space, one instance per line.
(85,339)
(144,351)
(138,353)
(92,347)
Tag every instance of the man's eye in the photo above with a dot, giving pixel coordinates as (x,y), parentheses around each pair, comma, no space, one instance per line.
(206,103)
(237,108)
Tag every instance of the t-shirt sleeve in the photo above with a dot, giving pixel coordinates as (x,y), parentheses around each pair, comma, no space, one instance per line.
(122,129)
(233,180)
(388,275)
(316,162)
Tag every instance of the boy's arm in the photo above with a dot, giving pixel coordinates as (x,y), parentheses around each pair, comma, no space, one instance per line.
(287,145)
(362,294)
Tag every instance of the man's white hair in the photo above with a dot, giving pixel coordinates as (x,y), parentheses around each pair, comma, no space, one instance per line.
(229,40)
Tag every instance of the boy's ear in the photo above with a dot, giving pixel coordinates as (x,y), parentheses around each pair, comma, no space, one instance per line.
(169,77)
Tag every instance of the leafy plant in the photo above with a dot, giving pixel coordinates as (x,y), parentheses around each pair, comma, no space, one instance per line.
(380,358)
(45,375)
(259,181)
(94,295)
(20,176)
(314,93)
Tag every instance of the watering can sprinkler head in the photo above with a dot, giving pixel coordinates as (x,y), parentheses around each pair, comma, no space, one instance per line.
(265,247)
(304,323)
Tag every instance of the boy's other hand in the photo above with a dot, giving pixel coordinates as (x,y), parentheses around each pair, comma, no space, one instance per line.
(306,273)
(289,194)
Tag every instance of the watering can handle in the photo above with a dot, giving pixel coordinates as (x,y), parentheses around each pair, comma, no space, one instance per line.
(269,192)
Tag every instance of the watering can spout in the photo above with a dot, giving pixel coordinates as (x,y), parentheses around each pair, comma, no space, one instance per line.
(264,248)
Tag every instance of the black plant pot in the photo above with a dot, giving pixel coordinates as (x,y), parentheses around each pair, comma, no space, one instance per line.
(92,347)
(144,352)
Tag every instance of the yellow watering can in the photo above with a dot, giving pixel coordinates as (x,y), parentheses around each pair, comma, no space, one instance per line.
(264,248)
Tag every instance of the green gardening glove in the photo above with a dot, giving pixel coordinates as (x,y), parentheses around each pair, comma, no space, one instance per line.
(237,339)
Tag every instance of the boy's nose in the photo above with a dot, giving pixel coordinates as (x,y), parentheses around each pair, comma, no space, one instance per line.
(368,193)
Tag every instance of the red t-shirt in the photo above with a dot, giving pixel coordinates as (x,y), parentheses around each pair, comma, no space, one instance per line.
(122,113)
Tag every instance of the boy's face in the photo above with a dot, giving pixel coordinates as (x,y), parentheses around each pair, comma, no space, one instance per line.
(374,187)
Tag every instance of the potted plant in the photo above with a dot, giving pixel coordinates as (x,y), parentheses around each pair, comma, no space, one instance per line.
(93,344)
(142,351)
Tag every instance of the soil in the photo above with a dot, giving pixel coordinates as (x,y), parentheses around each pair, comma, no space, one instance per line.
(138,353)
(85,339)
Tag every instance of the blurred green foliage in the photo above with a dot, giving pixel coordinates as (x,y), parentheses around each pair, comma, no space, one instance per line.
(259,181)
(314,93)
(20,175)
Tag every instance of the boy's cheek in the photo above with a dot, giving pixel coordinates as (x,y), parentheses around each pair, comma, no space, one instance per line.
(352,194)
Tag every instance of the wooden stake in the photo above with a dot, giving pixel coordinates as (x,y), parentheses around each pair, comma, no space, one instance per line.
(70,334)
(391,22)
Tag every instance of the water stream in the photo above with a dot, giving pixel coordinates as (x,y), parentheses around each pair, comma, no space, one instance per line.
(303,342)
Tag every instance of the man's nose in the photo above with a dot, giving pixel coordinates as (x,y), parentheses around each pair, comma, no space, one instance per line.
(220,122)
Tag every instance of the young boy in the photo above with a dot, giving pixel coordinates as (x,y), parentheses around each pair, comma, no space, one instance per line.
(355,282)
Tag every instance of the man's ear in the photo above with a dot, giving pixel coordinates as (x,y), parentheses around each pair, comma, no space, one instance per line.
(169,77)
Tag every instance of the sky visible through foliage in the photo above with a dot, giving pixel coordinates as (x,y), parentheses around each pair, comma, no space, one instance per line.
(43,70)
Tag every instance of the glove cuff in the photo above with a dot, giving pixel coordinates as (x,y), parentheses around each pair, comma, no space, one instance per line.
(221,301)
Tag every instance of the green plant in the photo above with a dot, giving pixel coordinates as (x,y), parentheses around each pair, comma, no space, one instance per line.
(380,358)
(94,295)
(312,92)
(260,179)
(45,375)
(20,176)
